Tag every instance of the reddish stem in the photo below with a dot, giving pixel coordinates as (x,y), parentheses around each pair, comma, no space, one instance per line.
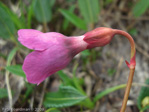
(127,90)
(131,67)
(132,43)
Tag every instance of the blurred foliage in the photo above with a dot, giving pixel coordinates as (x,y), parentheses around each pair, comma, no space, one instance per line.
(111,72)
(76,83)
(143,98)
(89,10)
(140,7)
(66,21)
(29,90)
(66,96)
(107,91)
(133,31)
(74,19)
(11,56)
(17,70)
(7,25)
(52,110)
(3,93)
(83,14)
(42,10)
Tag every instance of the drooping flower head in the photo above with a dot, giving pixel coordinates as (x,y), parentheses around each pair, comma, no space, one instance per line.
(54,51)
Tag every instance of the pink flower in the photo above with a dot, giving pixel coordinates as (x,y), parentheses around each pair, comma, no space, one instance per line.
(53,52)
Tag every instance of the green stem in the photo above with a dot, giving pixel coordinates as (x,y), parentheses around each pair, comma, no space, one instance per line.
(89,103)
(9,59)
(107,91)
(112,89)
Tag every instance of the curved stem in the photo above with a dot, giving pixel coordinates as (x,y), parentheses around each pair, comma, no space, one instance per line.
(132,43)
(132,67)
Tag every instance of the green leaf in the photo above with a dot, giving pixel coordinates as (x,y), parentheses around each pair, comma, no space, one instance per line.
(140,7)
(7,27)
(28,91)
(107,2)
(66,80)
(16,69)
(11,55)
(107,91)
(66,96)
(133,31)
(66,21)
(90,10)
(85,53)
(42,10)
(52,2)
(74,19)
(145,108)
(53,110)
(143,93)
(19,23)
(30,15)
(75,82)
(3,93)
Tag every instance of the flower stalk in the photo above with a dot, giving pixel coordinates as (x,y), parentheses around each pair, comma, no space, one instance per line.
(127,90)
(131,66)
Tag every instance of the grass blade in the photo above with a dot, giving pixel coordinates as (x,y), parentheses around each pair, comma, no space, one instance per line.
(90,10)
(74,19)
(107,91)
(7,27)
(42,10)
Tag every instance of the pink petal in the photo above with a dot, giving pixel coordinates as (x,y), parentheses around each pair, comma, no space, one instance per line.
(34,39)
(38,65)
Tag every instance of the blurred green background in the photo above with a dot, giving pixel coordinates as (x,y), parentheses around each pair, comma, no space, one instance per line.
(92,71)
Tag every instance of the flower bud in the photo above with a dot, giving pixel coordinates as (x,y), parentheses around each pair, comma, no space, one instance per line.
(98,37)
